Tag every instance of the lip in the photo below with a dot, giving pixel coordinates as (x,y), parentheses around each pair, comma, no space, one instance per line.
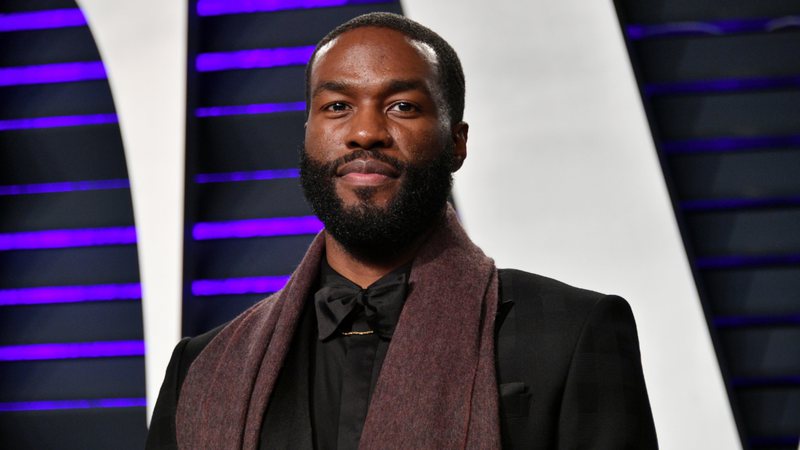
(367,167)
(367,172)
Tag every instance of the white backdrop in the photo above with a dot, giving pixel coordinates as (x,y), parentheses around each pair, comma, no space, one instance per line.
(561,179)
(143,46)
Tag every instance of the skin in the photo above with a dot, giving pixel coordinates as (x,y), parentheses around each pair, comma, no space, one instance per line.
(374,89)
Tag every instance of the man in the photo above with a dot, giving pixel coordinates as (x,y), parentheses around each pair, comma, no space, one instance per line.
(396,331)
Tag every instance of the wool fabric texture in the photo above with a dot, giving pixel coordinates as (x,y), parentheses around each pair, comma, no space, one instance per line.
(437,387)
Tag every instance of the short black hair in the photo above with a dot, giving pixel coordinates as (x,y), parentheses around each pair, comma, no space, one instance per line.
(450,73)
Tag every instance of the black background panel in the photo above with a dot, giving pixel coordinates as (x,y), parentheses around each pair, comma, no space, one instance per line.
(257,142)
(81,429)
(736,56)
(59,99)
(71,322)
(8,6)
(731,164)
(79,209)
(34,47)
(759,174)
(91,152)
(69,266)
(763,351)
(759,291)
(750,232)
(242,87)
(277,29)
(252,199)
(233,258)
(741,114)
(660,11)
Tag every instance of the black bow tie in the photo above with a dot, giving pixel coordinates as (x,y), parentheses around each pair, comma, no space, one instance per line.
(381,303)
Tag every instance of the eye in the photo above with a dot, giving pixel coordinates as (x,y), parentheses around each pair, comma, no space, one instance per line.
(404,107)
(336,107)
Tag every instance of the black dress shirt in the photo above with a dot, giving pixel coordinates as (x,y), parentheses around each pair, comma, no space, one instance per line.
(345,370)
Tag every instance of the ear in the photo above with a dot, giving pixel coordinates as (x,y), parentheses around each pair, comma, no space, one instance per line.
(459,134)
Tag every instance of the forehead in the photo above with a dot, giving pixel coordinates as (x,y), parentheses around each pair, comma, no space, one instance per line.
(370,54)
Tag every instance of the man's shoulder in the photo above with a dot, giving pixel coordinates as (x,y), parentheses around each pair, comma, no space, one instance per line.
(548,296)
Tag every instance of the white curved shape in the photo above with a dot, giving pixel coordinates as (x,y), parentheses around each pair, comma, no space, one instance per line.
(562,179)
(143,45)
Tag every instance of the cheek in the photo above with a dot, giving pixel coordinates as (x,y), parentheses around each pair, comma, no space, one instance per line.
(423,145)
(319,141)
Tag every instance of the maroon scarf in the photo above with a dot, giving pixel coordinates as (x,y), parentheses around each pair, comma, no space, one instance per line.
(437,387)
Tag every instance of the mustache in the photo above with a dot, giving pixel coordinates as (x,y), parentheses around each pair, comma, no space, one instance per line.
(333,166)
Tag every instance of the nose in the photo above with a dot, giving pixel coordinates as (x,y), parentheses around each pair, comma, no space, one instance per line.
(368,130)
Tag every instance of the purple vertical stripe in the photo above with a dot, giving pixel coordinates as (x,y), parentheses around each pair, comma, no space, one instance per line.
(737,261)
(711,27)
(279,226)
(70,294)
(727,144)
(256,175)
(71,350)
(63,186)
(737,203)
(239,286)
(259,108)
(253,59)
(52,73)
(222,7)
(745,382)
(729,85)
(41,20)
(49,405)
(57,121)
(85,237)
(749,321)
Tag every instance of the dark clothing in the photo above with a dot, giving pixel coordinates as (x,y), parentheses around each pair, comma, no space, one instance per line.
(568,369)
(346,367)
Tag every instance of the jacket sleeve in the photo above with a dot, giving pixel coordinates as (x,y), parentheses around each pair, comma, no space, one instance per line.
(161,435)
(605,403)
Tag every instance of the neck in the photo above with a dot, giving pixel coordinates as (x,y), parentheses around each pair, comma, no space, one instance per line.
(364,272)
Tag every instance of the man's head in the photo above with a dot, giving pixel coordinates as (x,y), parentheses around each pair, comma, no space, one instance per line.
(381,141)
(450,74)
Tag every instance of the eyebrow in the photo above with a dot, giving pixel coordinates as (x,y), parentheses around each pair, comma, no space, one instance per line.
(394,86)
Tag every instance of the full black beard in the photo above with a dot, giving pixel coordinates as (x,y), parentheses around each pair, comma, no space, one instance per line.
(366,230)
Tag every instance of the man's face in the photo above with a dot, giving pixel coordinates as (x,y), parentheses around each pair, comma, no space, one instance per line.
(379,147)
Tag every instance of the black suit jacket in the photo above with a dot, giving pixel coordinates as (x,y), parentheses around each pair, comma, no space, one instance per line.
(568,367)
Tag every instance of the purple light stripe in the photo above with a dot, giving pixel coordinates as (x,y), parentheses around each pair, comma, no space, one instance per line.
(71,350)
(84,237)
(259,108)
(737,203)
(746,382)
(732,85)
(749,321)
(50,405)
(239,286)
(70,294)
(64,186)
(733,262)
(728,144)
(41,20)
(52,73)
(57,122)
(256,175)
(714,28)
(238,229)
(763,441)
(223,7)
(253,59)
